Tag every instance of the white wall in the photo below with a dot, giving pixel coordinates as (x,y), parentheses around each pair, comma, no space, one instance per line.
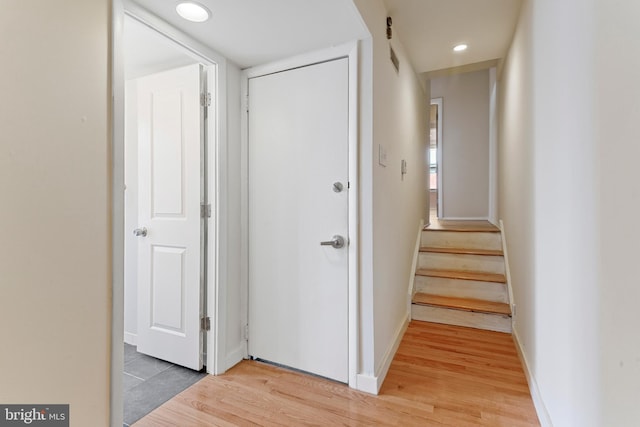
(398,112)
(465,143)
(55,226)
(516,184)
(568,187)
(616,112)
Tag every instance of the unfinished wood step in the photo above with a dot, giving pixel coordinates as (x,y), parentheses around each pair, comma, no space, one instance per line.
(464,262)
(465,304)
(462,275)
(480,240)
(490,291)
(470,319)
(462,225)
(462,251)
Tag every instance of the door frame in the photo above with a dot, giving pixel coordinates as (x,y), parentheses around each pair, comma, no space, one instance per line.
(439,102)
(217,139)
(349,51)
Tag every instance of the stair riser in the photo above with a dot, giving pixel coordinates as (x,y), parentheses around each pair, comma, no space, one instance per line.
(481,263)
(491,322)
(489,291)
(456,239)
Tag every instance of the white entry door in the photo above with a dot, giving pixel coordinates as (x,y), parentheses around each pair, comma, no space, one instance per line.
(169,221)
(298,198)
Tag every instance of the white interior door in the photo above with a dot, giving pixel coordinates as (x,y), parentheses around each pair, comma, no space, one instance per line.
(169,293)
(298,198)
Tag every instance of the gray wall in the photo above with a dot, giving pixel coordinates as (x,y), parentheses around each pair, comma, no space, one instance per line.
(465,141)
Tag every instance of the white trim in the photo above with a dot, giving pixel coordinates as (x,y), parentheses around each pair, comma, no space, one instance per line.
(350,51)
(305,59)
(244,206)
(367,383)
(131,339)
(234,357)
(354,212)
(414,265)
(538,402)
(217,226)
(440,103)
(381,373)
(507,275)
(372,384)
(117,215)
(493,147)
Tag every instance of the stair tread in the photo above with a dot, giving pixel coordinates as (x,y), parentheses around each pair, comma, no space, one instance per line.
(450,225)
(464,275)
(467,304)
(462,251)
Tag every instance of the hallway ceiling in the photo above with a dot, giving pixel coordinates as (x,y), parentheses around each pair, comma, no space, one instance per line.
(430,28)
(253,32)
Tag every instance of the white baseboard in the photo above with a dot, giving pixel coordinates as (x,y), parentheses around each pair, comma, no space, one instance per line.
(538,403)
(414,265)
(507,275)
(367,383)
(233,358)
(372,384)
(130,338)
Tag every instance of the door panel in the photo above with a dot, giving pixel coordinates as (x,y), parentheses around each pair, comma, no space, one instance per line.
(168,288)
(167,150)
(169,139)
(298,149)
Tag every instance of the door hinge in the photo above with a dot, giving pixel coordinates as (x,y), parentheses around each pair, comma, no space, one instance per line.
(205,323)
(246,332)
(205,211)
(205,99)
(246,100)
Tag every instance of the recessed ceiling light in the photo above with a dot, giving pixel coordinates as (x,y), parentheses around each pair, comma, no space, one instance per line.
(194,12)
(460,47)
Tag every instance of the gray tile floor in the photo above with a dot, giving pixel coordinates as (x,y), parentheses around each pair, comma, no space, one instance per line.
(147,383)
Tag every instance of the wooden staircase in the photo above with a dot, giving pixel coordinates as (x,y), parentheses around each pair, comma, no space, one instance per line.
(460,276)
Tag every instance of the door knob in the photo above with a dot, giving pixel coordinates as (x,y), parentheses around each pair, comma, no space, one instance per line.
(140,232)
(337,242)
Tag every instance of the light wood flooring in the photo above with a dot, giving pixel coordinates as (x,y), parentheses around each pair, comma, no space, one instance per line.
(441,375)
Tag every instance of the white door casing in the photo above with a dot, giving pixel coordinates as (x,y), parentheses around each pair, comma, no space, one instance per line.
(169,289)
(439,152)
(298,147)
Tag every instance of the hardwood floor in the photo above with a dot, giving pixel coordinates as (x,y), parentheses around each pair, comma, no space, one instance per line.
(441,375)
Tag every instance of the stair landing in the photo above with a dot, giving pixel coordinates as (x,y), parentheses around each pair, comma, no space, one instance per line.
(451,225)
